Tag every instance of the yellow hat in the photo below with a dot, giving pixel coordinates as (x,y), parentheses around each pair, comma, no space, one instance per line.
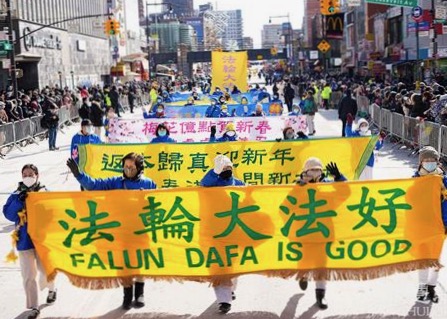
(229,127)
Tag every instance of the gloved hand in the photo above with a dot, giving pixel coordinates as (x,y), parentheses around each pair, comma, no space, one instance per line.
(233,113)
(73,166)
(213,130)
(279,139)
(23,195)
(332,169)
(220,162)
(301,134)
(349,118)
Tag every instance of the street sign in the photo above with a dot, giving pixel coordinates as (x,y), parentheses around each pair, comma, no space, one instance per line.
(416,13)
(401,3)
(441,13)
(324,46)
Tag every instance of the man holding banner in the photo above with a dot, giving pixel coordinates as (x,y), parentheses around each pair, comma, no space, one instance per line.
(133,178)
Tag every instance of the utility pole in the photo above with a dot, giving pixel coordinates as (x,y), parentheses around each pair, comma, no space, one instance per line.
(12,53)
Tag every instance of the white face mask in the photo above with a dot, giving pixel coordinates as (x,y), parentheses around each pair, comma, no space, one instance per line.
(29,181)
(231,133)
(364,129)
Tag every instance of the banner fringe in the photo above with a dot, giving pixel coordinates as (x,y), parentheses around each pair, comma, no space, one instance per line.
(93,283)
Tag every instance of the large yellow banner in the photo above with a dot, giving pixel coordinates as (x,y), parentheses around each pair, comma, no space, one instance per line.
(229,69)
(345,230)
(256,163)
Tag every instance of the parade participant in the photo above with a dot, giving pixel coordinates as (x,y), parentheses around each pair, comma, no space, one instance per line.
(347,106)
(258,110)
(213,110)
(15,211)
(296,110)
(222,100)
(162,133)
(85,136)
(263,95)
(289,95)
(429,165)
(229,135)
(166,97)
(309,109)
(115,100)
(195,96)
(289,134)
(190,101)
(133,178)
(110,115)
(235,90)
(224,111)
(159,112)
(363,130)
(313,173)
(217,92)
(222,175)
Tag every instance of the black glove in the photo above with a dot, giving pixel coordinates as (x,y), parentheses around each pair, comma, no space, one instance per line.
(23,195)
(233,113)
(73,166)
(301,135)
(332,169)
(213,130)
(279,139)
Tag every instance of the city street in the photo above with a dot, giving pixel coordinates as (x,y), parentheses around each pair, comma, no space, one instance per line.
(257,296)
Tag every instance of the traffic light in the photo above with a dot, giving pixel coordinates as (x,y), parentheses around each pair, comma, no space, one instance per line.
(114,27)
(328,7)
(107,27)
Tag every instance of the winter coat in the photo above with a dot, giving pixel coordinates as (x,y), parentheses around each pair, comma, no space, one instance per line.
(11,210)
(116,182)
(97,114)
(347,105)
(224,138)
(114,98)
(52,119)
(81,139)
(443,200)
(349,132)
(326,93)
(213,111)
(264,95)
(85,112)
(310,107)
(211,179)
(163,139)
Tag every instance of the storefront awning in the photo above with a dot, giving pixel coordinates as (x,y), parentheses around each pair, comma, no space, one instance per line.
(134,57)
(28,57)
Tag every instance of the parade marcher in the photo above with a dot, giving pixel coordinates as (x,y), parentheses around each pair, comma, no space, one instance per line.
(213,110)
(159,112)
(52,123)
(217,92)
(428,278)
(235,90)
(166,97)
(313,173)
(15,211)
(131,97)
(133,178)
(264,95)
(85,136)
(289,134)
(347,106)
(222,175)
(363,130)
(222,100)
(259,111)
(224,111)
(110,115)
(162,133)
(229,135)
(309,109)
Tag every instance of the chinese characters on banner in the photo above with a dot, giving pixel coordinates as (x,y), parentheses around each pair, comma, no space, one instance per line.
(229,69)
(198,130)
(256,163)
(339,230)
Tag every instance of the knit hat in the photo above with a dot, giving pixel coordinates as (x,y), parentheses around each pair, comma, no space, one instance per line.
(229,127)
(312,163)
(362,121)
(224,107)
(428,152)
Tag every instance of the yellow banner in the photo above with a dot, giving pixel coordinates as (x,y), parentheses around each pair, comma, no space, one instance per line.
(345,230)
(256,163)
(229,69)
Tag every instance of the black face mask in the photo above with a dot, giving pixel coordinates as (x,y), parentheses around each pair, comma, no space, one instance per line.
(226,174)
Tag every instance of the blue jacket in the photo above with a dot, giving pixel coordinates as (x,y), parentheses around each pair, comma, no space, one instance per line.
(264,95)
(443,200)
(163,139)
(11,210)
(116,182)
(213,111)
(152,115)
(224,138)
(81,139)
(212,179)
(349,132)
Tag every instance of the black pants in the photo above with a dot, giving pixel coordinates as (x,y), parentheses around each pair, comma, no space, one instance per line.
(289,103)
(343,121)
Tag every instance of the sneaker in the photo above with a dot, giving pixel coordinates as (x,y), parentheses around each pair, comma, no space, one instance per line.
(34,313)
(52,295)
(139,302)
(432,294)
(422,294)
(303,283)
(224,307)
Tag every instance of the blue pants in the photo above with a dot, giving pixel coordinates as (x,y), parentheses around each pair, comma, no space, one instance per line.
(52,132)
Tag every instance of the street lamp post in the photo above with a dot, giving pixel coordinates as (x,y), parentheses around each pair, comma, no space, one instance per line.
(288,36)
(72,80)
(60,79)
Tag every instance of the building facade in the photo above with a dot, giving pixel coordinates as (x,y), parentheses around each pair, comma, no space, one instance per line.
(234,30)
(181,7)
(70,54)
(271,36)
(247,43)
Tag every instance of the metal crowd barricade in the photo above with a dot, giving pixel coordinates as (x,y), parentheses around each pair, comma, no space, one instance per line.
(37,128)
(376,115)
(386,120)
(443,141)
(335,99)
(362,104)
(430,134)
(411,131)
(397,125)
(6,134)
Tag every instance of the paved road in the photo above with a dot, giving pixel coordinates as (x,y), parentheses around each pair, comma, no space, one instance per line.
(257,297)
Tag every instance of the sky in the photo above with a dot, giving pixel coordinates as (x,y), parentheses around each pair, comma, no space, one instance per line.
(255,13)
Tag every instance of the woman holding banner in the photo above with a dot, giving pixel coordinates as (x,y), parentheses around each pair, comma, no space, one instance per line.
(15,211)
(133,178)
(222,175)
(162,133)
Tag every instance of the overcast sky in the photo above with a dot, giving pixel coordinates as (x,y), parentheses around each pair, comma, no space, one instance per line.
(256,13)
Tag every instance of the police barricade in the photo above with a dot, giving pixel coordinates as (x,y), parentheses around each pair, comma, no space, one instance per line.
(376,115)
(411,131)
(22,130)
(6,134)
(335,99)
(36,127)
(430,134)
(443,144)
(397,125)
(385,123)
(73,111)
(362,104)
(64,116)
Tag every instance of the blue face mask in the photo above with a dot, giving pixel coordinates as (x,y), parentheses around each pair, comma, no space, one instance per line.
(161,133)
(430,166)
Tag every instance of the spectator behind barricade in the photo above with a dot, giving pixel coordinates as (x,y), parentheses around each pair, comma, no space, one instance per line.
(378,97)
(363,130)
(289,134)
(11,111)
(398,104)
(229,135)
(418,106)
(110,115)
(347,106)
(235,90)
(166,97)
(296,110)
(85,109)
(85,136)
(97,115)
(264,96)
(162,133)
(3,115)
(258,111)
(158,113)
(67,100)
(51,119)
(84,92)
